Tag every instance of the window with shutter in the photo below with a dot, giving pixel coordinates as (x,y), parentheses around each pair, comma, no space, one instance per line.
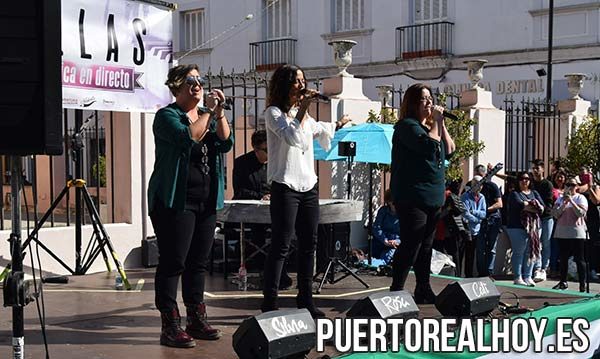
(277,21)
(193,29)
(348,15)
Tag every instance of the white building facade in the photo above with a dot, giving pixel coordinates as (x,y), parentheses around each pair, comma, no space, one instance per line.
(401,42)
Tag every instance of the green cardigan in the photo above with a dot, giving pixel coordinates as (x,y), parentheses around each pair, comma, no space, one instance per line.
(418,172)
(173,145)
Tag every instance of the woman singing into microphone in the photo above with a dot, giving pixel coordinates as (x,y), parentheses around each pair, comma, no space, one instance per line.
(294,191)
(420,145)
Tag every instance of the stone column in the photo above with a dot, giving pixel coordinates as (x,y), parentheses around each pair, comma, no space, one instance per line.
(489,129)
(572,111)
(346,98)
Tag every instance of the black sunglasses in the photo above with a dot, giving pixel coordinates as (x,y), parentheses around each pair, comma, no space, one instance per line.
(570,184)
(195,81)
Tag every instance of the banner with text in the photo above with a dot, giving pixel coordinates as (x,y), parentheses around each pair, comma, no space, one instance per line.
(116,55)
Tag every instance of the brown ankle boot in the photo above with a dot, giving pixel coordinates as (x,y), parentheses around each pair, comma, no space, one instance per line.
(171,333)
(197,323)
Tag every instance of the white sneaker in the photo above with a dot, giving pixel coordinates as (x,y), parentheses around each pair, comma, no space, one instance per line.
(519,281)
(529,282)
(540,276)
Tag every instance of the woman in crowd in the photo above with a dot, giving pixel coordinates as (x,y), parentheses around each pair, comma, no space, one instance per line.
(386,230)
(421,144)
(569,211)
(186,188)
(476,210)
(523,229)
(558,180)
(294,189)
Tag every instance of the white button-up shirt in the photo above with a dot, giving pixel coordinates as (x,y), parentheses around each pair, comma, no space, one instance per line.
(290,146)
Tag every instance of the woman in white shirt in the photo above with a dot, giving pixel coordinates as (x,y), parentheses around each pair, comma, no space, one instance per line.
(570,231)
(294,189)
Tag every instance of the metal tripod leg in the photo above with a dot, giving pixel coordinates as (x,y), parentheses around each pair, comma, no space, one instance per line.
(33,235)
(331,267)
(102,240)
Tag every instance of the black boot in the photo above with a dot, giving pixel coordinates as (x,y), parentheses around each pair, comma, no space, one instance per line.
(269,304)
(171,334)
(197,323)
(307,302)
(424,294)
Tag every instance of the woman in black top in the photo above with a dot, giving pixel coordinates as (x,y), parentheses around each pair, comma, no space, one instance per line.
(421,144)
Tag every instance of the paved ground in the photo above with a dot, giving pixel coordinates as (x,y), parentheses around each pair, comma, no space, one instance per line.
(88,319)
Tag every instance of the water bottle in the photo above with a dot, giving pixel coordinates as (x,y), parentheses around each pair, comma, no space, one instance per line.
(242,278)
(118,281)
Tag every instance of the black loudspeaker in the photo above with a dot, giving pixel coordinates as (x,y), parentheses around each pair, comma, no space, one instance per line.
(385,305)
(334,242)
(149,252)
(468,297)
(30,82)
(277,334)
(347,148)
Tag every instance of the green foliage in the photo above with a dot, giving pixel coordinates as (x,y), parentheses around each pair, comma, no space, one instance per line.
(102,162)
(460,131)
(386,115)
(466,147)
(583,147)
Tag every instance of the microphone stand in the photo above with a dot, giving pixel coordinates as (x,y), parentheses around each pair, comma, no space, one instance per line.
(14,280)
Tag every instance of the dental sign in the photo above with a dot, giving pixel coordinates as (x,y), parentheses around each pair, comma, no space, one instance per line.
(116,55)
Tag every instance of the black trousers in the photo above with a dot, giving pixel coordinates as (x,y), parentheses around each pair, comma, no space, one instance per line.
(572,247)
(184,241)
(417,230)
(298,212)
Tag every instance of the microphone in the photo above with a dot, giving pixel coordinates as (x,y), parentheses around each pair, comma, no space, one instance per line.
(450,115)
(317,95)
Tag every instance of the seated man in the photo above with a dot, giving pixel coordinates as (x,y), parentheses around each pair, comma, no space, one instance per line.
(386,230)
(250,182)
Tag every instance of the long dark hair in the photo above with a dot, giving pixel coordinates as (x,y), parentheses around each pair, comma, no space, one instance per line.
(411,99)
(280,84)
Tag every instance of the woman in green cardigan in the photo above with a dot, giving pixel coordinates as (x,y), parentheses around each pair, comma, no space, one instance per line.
(185,190)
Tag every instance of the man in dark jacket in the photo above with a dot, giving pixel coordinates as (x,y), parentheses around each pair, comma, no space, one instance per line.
(544,187)
(490,228)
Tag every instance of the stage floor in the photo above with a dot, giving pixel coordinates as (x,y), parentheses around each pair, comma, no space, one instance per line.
(87,318)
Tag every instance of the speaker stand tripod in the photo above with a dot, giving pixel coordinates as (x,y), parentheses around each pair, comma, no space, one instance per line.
(100,238)
(329,274)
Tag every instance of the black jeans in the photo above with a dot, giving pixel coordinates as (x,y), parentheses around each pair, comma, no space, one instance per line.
(572,247)
(299,211)
(184,242)
(417,230)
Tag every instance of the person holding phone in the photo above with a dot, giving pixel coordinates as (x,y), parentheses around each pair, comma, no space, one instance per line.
(570,210)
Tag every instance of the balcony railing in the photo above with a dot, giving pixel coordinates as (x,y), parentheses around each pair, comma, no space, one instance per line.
(425,40)
(268,55)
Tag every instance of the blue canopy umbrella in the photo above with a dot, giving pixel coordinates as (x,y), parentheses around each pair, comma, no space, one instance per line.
(373,145)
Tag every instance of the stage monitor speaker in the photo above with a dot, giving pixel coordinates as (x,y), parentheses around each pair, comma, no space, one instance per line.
(385,305)
(468,297)
(274,335)
(30,81)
